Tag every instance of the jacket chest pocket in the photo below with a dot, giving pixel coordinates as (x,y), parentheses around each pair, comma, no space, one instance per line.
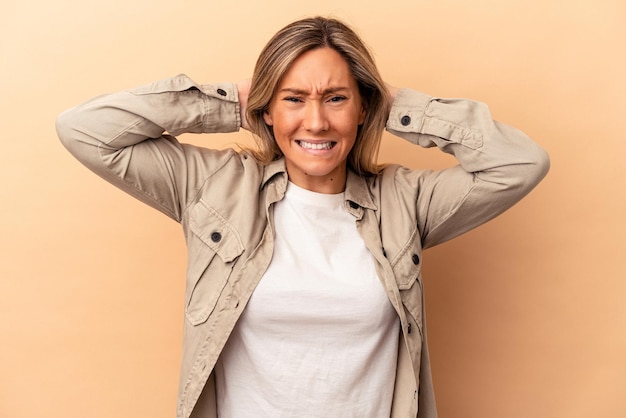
(407,268)
(214,246)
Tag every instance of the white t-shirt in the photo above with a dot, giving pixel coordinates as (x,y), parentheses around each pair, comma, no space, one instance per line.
(319,337)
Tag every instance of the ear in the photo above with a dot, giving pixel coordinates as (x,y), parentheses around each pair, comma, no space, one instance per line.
(267,117)
(362,114)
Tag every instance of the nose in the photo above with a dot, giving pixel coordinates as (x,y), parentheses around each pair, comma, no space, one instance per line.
(315,119)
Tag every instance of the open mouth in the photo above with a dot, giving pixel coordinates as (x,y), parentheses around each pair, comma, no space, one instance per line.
(316,145)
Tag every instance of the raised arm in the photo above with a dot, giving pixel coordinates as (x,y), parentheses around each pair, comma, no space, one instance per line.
(498,164)
(127,138)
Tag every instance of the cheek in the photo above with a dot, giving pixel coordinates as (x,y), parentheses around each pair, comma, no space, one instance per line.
(285,125)
(348,127)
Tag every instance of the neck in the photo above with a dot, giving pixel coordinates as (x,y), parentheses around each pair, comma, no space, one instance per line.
(331,184)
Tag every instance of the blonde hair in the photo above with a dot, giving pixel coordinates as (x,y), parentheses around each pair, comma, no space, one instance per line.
(276,58)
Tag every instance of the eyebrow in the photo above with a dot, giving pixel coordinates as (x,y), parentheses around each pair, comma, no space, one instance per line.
(329,90)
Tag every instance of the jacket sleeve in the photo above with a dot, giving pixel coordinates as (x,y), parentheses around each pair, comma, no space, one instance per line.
(498,164)
(128,138)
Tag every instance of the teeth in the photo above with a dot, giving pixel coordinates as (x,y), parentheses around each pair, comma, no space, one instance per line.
(309,145)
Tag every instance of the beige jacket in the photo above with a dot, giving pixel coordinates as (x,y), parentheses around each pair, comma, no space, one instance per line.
(224,202)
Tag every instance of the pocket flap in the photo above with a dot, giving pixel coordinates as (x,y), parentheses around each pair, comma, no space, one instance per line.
(407,264)
(215,231)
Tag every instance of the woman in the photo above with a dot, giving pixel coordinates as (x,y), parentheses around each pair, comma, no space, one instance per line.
(304,294)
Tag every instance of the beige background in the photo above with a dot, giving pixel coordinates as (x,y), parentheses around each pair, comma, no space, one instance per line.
(527,315)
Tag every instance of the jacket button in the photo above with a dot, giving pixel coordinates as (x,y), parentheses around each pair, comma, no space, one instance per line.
(216,237)
(221,92)
(416,259)
(405,121)
(409,328)
(354,205)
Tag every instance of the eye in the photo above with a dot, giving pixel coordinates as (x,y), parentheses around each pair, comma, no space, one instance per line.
(292,99)
(337,99)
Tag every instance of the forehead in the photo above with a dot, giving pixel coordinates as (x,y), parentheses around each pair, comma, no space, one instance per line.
(320,68)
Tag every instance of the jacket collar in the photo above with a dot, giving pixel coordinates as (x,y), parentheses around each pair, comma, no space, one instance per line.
(272,169)
(357,189)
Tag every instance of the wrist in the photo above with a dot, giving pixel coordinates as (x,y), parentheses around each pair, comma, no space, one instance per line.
(243,88)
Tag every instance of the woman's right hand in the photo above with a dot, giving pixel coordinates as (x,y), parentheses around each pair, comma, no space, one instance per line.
(243,88)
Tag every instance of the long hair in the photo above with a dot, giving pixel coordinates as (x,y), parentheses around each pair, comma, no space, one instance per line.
(276,58)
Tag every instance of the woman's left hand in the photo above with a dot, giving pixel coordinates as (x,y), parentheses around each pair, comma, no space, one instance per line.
(393,92)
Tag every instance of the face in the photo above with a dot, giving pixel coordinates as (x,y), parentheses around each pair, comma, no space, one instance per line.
(315,114)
